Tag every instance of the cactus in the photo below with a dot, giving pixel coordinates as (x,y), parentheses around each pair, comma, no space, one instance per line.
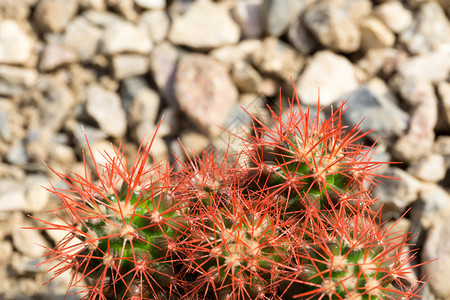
(292,221)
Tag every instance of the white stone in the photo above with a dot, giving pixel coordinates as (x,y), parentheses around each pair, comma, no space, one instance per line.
(333,74)
(431,66)
(129,65)
(430,168)
(12,196)
(15,44)
(106,108)
(394,15)
(126,37)
(205,25)
(156,23)
(151,4)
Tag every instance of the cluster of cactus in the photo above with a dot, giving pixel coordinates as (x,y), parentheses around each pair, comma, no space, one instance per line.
(290,217)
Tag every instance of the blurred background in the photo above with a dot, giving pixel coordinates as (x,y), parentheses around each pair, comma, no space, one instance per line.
(120,68)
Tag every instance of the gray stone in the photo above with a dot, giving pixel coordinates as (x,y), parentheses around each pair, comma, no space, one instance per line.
(163,62)
(156,24)
(16,45)
(340,79)
(376,112)
(430,168)
(129,65)
(125,37)
(249,16)
(53,15)
(151,4)
(443,90)
(105,107)
(394,15)
(332,27)
(17,153)
(146,132)
(204,91)
(57,54)
(280,14)
(301,38)
(396,194)
(57,103)
(140,101)
(205,25)
(374,34)
(278,59)
(430,29)
(83,37)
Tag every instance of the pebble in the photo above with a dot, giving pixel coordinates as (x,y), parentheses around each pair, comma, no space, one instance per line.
(280,14)
(376,112)
(419,138)
(151,4)
(57,54)
(436,202)
(27,241)
(204,91)
(249,16)
(340,79)
(140,101)
(429,31)
(430,168)
(125,37)
(163,62)
(277,58)
(156,24)
(245,77)
(396,194)
(129,65)
(37,197)
(83,37)
(301,38)
(16,45)
(394,15)
(442,147)
(105,108)
(205,25)
(332,28)
(432,66)
(239,52)
(374,34)
(54,15)
(437,246)
(443,91)
(12,196)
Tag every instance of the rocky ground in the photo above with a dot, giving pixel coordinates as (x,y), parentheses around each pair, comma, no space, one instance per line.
(120,68)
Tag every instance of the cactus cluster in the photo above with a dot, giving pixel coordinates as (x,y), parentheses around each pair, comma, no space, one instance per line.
(290,217)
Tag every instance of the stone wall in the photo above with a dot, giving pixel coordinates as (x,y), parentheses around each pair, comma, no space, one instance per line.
(116,70)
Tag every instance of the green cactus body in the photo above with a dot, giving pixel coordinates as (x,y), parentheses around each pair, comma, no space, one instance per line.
(132,231)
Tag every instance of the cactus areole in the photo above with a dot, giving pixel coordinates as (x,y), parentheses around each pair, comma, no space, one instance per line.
(288,217)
